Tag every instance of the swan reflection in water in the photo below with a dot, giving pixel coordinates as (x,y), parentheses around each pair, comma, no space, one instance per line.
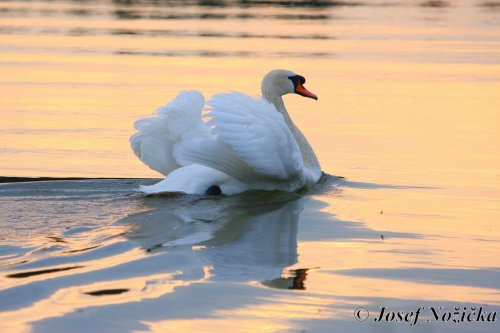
(246,237)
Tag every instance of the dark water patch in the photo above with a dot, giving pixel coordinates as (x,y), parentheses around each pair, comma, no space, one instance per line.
(83,250)
(435,4)
(487,240)
(167,13)
(40,272)
(56,239)
(490,5)
(299,4)
(105,292)
(137,15)
(42,179)
(49,12)
(318,4)
(303,54)
(81,31)
(8,11)
(224,3)
(222,54)
(211,3)
(84,12)
(290,17)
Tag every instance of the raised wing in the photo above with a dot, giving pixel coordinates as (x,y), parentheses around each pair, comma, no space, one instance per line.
(177,121)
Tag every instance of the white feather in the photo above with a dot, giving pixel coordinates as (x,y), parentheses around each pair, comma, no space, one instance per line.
(195,179)
(258,134)
(178,120)
(216,154)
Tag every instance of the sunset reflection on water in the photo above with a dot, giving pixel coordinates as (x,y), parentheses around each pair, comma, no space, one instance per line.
(407,113)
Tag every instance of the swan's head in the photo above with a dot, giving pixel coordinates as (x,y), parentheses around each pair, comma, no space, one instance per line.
(284,82)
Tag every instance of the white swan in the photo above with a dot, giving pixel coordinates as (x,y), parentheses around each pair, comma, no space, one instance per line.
(247,143)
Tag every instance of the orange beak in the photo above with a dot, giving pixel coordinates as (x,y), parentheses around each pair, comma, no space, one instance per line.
(304,92)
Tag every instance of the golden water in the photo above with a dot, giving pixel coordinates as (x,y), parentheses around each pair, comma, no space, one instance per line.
(408,112)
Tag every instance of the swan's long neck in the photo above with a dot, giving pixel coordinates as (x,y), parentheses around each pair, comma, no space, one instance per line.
(308,155)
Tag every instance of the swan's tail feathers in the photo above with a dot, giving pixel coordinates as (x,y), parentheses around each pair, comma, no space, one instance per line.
(195,179)
(154,151)
(156,136)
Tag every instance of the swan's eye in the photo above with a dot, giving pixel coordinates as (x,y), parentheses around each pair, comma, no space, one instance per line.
(297,79)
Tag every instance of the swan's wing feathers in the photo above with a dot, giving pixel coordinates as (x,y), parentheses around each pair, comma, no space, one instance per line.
(178,120)
(257,133)
(182,116)
(214,154)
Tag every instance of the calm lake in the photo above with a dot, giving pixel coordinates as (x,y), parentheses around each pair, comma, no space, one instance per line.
(407,130)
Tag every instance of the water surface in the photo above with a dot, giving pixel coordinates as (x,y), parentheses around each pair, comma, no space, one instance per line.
(407,113)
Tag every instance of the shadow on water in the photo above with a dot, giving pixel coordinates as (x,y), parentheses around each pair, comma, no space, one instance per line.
(247,237)
(252,236)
